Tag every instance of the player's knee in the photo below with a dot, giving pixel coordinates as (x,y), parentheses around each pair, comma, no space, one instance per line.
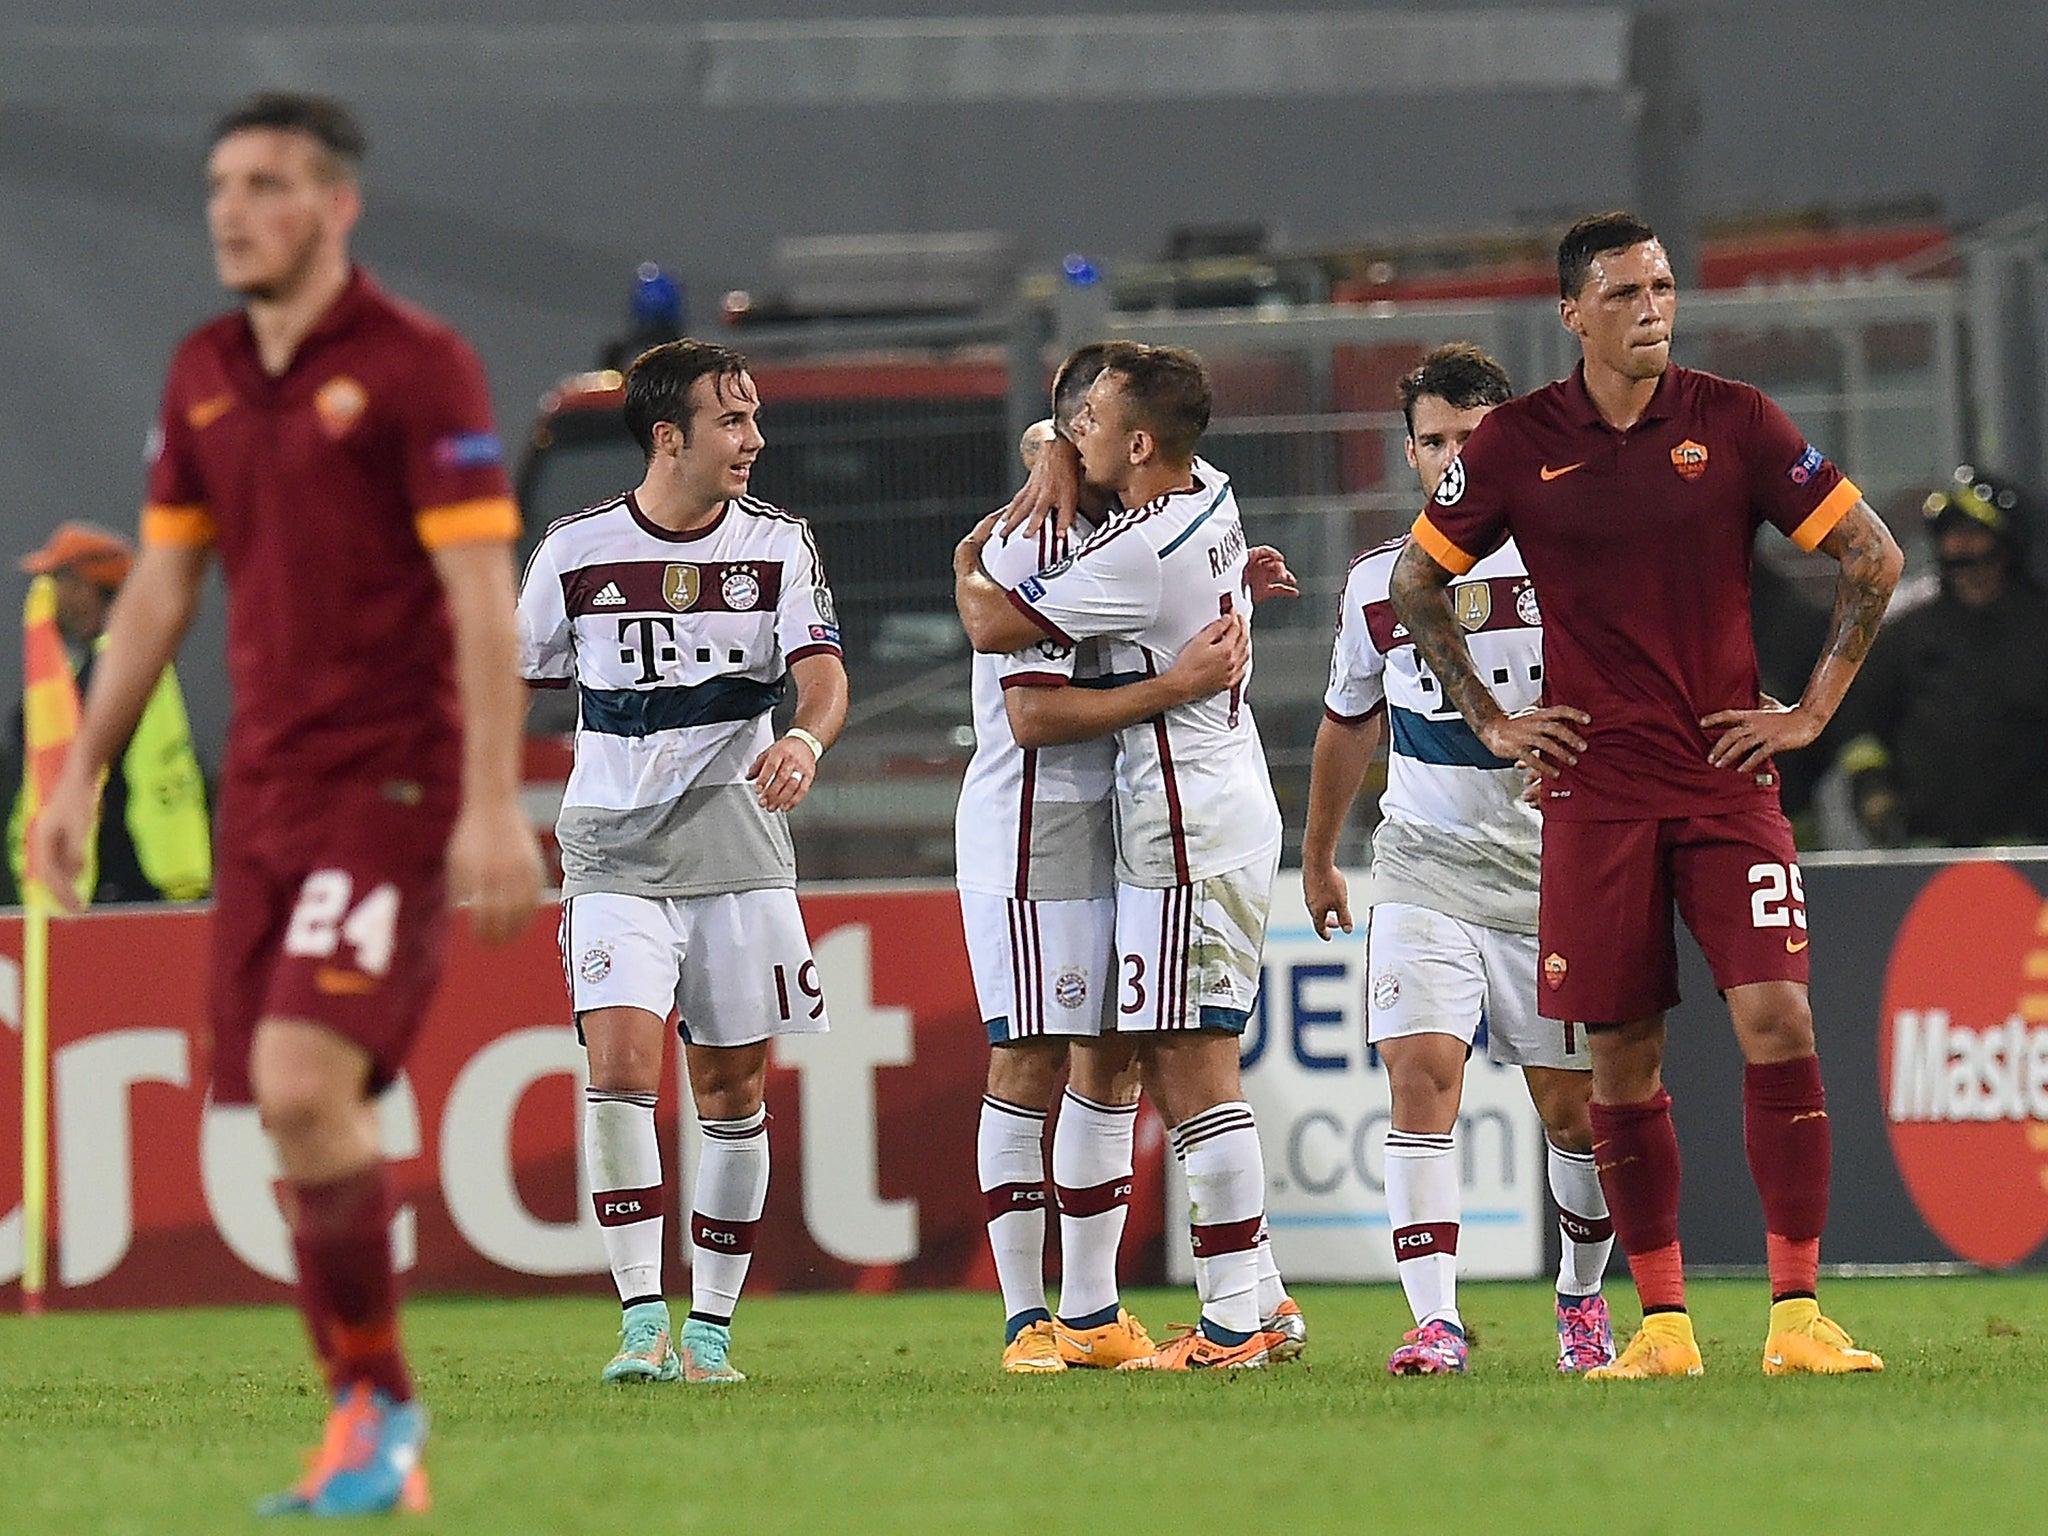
(299,1108)
(1772,1023)
(1105,1071)
(1026,1075)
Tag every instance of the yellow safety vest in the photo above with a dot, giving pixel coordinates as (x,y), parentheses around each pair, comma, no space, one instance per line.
(167,818)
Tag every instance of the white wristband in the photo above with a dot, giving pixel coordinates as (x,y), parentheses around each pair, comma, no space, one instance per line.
(817,747)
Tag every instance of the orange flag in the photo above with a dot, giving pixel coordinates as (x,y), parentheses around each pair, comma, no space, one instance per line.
(49,703)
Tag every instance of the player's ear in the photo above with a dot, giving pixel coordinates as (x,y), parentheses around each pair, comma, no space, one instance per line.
(1408,447)
(1568,316)
(1142,446)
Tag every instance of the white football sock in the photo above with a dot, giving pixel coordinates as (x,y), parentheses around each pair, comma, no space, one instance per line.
(1009,1154)
(625,1186)
(1422,1206)
(1091,1175)
(1226,1207)
(1272,1289)
(1585,1231)
(732,1186)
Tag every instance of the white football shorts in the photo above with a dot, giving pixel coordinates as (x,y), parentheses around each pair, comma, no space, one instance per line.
(1187,956)
(1040,967)
(1428,974)
(734,968)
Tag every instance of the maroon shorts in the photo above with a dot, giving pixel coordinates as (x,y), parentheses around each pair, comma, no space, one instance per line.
(329,906)
(1604,936)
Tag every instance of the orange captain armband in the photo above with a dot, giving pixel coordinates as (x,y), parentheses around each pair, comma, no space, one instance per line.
(1439,548)
(467,522)
(1820,522)
(176,527)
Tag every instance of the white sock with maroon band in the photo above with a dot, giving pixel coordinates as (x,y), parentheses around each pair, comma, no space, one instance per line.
(1584,1227)
(1226,1208)
(1009,1152)
(732,1186)
(1422,1205)
(1091,1176)
(625,1187)
(1272,1289)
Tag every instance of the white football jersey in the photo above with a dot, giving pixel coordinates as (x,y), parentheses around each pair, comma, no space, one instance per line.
(680,646)
(1035,824)
(1193,798)
(1457,836)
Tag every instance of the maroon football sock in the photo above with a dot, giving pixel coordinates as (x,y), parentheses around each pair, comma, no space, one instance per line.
(1785,1132)
(1635,1148)
(347,1290)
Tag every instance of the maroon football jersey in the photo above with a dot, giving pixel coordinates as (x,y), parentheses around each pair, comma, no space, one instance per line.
(1639,544)
(324,489)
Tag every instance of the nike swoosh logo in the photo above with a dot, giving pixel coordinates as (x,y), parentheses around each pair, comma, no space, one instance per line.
(1793,949)
(1073,1343)
(1553,474)
(1774,1359)
(207,412)
(1811,1114)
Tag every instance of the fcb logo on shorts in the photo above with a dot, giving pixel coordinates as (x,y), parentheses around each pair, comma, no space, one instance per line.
(1554,969)
(679,585)
(1472,601)
(1070,989)
(338,403)
(741,590)
(595,965)
(1689,459)
(1386,990)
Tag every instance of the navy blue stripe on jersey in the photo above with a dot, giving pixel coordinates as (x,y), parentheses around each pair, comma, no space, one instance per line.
(643,711)
(1111,679)
(1188,532)
(1445,743)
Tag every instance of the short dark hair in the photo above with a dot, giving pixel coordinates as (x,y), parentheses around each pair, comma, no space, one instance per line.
(321,118)
(1593,236)
(1071,384)
(1460,375)
(1168,391)
(658,385)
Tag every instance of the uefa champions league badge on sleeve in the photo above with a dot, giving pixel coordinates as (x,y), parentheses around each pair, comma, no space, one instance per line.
(1451,489)
(1806,466)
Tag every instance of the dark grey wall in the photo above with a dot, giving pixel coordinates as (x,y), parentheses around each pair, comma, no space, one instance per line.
(520,219)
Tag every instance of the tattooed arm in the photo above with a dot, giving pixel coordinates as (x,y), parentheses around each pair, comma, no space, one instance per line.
(1538,739)
(1870,565)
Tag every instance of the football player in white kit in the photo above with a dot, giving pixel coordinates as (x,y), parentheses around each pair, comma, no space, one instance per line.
(1035,865)
(1451,925)
(682,611)
(1198,829)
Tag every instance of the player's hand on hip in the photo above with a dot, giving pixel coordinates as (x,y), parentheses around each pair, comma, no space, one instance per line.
(783,775)
(1327,896)
(1217,658)
(1266,573)
(1749,738)
(59,837)
(494,869)
(1540,740)
(1052,490)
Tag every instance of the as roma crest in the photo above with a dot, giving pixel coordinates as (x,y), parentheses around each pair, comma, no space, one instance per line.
(1472,601)
(1689,459)
(679,585)
(338,403)
(1553,969)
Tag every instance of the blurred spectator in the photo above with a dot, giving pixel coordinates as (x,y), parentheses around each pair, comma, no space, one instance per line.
(1947,728)
(155,843)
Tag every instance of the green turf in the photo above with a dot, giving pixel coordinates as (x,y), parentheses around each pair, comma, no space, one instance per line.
(886,1414)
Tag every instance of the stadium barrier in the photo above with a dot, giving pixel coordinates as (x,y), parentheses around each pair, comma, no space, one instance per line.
(1930,976)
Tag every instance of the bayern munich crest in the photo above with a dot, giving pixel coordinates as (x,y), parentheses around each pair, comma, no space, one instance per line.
(1070,989)
(1386,990)
(741,590)
(595,965)
(1525,606)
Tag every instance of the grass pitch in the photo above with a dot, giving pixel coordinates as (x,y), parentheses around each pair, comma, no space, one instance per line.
(887,1414)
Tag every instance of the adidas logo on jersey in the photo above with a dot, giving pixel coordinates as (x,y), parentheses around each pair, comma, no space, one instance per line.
(609,597)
